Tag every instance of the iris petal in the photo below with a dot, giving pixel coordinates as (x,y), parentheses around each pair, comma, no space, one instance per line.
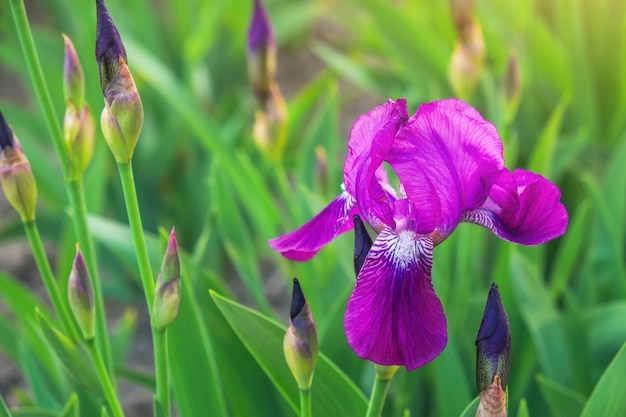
(447,159)
(393,316)
(303,243)
(380,122)
(533,215)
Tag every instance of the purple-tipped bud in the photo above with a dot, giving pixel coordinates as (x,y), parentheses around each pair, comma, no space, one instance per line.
(261,53)
(362,244)
(167,293)
(109,46)
(493,343)
(73,77)
(122,117)
(79,132)
(16,176)
(80,294)
(301,344)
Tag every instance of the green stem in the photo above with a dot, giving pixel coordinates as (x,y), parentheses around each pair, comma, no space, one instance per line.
(305,403)
(136,228)
(159,338)
(105,380)
(39,83)
(379,394)
(75,190)
(48,279)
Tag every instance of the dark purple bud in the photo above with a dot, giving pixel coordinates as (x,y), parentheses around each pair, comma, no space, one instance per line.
(493,343)
(297,300)
(260,32)
(362,244)
(300,344)
(6,134)
(109,46)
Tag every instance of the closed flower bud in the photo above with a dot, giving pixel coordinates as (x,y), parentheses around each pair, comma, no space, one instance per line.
(511,87)
(468,57)
(16,176)
(73,77)
(78,125)
(493,349)
(301,344)
(81,297)
(270,124)
(122,117)
(167,293)
(492,401)
(362,244)
(261,53)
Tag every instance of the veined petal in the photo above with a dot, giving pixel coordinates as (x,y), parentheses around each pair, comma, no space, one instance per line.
(393,316)
(303,243)
(537,217)
(447,158)
(380,124)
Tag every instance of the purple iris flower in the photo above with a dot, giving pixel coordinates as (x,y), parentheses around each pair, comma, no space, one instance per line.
(450,168)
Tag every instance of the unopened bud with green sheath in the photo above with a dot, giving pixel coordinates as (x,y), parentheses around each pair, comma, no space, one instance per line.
(16,176)
(122,117)
(493,350)
(81,296)
(167,292)
(301,344)
(78,125)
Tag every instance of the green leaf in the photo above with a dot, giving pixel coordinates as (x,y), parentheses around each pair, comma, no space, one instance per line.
(334,394)
(158,408)
(562,401)
(191,353)
(74,357)
(470,410)
(522,410)
(71,407)
(607,398)
(606,329)
(4,410)
(448,368)
(34,412)
(542,158)
(541,318)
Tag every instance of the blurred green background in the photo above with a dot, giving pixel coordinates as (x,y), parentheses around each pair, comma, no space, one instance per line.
(197,168)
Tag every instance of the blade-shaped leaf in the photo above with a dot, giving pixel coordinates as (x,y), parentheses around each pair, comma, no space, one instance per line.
(607,398)
(562,401)
(71,407)
(334,394)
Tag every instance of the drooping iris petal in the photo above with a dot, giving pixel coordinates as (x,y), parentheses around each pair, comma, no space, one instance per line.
(447,158)
(538,217)
(393,316)
(303,243)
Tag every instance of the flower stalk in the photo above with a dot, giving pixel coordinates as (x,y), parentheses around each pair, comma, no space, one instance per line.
(382,381)
(74,188)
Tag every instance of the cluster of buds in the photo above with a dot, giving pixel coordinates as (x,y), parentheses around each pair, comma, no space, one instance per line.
(270,124)
(468,57)
(301,344)
(16,176)
(81,296)
(122,117)
(78,125)
(493,349)
(167,292)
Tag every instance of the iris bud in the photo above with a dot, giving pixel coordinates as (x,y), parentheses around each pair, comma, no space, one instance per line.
(81,296)
(73,77)
(122,117)
(261,53)
(167,293)
(493,350)
(16,176)
(362,244)
(301,344)
(468,57)
(511,87)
